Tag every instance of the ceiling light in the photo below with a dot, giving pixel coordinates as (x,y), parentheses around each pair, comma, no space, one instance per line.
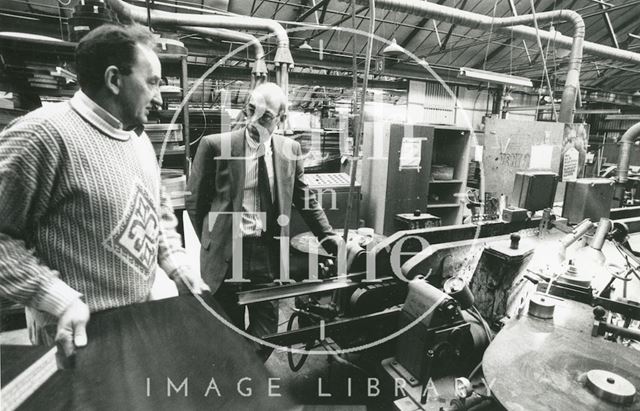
(393,49)
(492,77)
(305,46)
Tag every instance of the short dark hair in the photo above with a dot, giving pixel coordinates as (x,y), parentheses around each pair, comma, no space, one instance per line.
(108,45)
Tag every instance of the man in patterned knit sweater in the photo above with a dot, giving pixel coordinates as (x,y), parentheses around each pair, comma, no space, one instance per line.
(83,224)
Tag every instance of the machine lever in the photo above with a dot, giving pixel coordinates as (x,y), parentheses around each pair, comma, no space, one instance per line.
(426,376)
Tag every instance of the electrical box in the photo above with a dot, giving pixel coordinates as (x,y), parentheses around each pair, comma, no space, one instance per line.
(534,190)
(587,198)
(332,192)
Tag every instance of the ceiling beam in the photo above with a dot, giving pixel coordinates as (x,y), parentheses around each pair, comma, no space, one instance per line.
(630,37)
(494,53)
(610,73)
(342,20)
(607,22)
(321,3)
(448,35)
(375,30)
(405,42)
(279,7)
(324,11)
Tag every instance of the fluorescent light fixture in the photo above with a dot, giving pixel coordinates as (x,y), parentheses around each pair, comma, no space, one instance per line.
(598,111)
(492,77)
(623,117)
(528,108)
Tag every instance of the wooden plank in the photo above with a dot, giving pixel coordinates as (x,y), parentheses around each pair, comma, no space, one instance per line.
(507,149)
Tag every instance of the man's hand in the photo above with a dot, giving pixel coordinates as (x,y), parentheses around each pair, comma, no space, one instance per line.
(187,281)
(331,244)
(72,325)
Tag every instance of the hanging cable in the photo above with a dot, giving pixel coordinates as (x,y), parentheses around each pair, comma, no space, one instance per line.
(486,52)
(476,314)
(544,60)
(360,128)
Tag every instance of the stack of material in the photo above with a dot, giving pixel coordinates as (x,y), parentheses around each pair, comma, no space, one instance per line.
(171,132)
(40,77)
(174,183)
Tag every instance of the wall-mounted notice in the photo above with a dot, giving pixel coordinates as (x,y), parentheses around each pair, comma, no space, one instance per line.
(570,165)
(410,154)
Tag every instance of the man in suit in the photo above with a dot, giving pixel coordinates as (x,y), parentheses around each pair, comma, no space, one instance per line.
(254,176)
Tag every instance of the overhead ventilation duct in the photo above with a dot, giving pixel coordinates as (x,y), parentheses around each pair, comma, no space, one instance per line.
(512,25)
(259,71)
(282,59)
(626,143)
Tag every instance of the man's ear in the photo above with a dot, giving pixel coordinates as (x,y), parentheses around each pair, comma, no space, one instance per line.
(112,79)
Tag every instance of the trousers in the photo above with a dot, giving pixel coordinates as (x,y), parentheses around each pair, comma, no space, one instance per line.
(259,266)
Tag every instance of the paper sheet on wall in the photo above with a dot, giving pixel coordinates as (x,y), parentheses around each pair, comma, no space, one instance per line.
(570,165)
(540,158)
(479,150)
(410,153)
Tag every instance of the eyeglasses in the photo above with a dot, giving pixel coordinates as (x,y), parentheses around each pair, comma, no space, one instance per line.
(267,118)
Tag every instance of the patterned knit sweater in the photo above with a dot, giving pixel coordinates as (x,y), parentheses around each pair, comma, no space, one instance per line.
(81,211)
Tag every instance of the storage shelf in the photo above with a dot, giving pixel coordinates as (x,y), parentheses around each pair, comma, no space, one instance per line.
(445,205)
(445,181)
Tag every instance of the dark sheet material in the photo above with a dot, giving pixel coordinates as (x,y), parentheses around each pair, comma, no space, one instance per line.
(136,352)
(16,359)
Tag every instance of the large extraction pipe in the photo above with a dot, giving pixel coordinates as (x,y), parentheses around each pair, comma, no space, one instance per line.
(282,59)
(510,25)
(259,71)
(626,142)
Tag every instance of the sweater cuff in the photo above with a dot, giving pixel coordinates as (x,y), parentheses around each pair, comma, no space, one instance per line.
(55,297)
(175,263)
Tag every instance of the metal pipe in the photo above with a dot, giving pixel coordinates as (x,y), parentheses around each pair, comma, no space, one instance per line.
(511,25)
(626,142)
(259,68)
(579,230)
(282,59)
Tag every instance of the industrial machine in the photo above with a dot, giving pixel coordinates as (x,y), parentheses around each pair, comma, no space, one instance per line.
(427,327)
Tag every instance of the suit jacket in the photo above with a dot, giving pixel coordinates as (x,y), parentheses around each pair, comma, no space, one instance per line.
(216,185)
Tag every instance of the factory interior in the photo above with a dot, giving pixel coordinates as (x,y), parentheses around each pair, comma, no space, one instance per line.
(479,159)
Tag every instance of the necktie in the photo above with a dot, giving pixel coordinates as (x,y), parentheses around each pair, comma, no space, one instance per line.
(264,189)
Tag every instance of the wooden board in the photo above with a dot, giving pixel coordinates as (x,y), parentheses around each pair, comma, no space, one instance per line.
(507,149)
(134,352)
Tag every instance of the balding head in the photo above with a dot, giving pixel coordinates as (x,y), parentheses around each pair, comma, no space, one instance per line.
(267,108)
